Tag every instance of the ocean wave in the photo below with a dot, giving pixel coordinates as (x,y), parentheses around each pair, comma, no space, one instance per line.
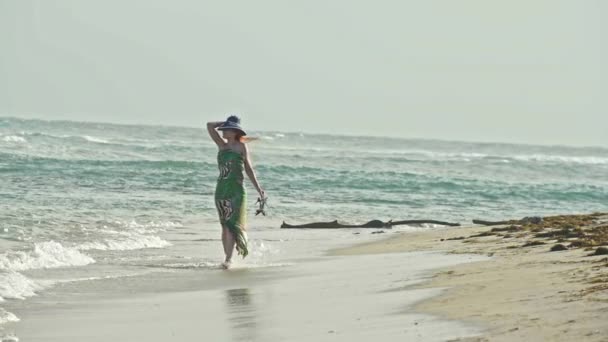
(9,338)
(41,134)
(594,160)
(128,242)
(14,139)
(49,254)
(89,162)
(272,136)
(481,158)
(434,154)
(503,158)
(95,140)
(6,317)
(417,155)
(150,224)
(14,285)
(157,143)
(136,227)
(53,282)
(64,136)
(377,154)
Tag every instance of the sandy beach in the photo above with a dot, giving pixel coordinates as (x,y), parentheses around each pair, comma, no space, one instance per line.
(521,293)
(448,284)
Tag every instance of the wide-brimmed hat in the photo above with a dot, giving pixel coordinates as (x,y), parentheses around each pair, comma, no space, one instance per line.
(233,122)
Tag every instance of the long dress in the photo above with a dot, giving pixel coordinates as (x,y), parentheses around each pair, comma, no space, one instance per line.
(231,198)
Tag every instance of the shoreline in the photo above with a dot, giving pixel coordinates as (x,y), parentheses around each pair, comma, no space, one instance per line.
(351,298)
(521,293)
(456,284)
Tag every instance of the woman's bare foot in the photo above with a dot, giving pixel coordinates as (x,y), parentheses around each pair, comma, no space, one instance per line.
(227,264)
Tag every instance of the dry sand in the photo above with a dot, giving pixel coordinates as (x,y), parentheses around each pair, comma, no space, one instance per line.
(520,294)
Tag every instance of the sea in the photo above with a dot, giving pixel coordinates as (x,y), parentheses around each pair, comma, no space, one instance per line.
(83,201)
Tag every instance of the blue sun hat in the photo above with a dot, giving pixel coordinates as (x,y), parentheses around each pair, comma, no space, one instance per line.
(233,122)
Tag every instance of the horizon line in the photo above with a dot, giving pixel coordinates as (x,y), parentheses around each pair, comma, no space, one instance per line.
(354,135)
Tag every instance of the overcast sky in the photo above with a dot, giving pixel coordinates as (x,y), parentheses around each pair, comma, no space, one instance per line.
(529,71)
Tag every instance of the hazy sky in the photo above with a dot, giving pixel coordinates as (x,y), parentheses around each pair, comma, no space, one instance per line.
(515,71)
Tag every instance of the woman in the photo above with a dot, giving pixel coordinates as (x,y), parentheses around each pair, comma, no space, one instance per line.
(230,195)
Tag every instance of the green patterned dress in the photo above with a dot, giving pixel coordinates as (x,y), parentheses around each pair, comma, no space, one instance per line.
(231,198)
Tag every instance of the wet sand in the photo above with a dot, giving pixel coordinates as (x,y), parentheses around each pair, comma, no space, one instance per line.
(338,298)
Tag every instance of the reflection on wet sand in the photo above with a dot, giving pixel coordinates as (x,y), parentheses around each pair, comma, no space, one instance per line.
(241,314)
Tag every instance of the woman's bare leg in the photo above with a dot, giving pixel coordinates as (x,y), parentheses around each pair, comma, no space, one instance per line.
(228,241)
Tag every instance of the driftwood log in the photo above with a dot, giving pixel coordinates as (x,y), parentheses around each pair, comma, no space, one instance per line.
(371,224)
(441,223)
(525,220)
(490,223)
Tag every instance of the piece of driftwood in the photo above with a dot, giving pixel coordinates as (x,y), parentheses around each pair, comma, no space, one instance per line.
(525,220)
(371,224)
(490,223)
(335,224)
(441,223)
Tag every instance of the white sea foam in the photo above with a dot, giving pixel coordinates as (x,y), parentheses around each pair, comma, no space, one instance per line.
(267,265)
(193,265)
(436,154)
(127,241)
(6,317)
(563,159)
(421,154)
(217,265)
(66,136)
(14,285)
(506,158)
(95,140)
(49,254)
(40,134)
(149,226)
(468,156)
(9,338)
(14,139)
(44,284)
(261,253)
